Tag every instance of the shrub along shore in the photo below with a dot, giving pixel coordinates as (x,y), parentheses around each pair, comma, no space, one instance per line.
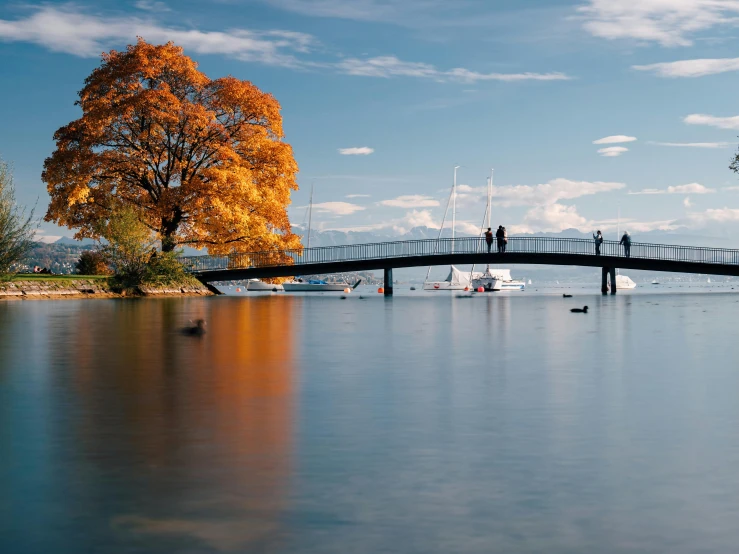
(40,287)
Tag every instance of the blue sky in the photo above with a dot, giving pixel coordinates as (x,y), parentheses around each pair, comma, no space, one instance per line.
(381,98)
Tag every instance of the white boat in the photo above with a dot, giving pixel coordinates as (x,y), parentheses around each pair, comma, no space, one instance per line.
(314,285)
(494,279)
(257,285)
(709,280)
(655,282)
(456,280)
(624,283)
(529,281)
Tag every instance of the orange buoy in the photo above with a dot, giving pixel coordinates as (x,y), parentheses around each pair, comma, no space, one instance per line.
(380,290)
(480,289)
(466,289)
(347,290)
(238,290)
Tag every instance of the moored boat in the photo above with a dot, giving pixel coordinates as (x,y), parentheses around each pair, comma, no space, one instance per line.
(258,285)
(313,285)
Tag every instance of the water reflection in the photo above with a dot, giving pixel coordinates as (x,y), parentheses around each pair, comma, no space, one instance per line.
(190,438)
(503,423)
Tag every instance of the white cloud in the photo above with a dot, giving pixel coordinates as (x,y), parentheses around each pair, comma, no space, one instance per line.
(356,151)
(545,193)
(390,66)
(554,218)
(612,151)
(418,218)
(411,201)
(713,215)
(66,29)
(70,30)
(358,196)
(712,121)
(152,6)
(690,188)
(693,144)
(687,203)
(648,191)
(730,188)
(337,208)
(41,236)
(666,22)
(691,68)
(614,139)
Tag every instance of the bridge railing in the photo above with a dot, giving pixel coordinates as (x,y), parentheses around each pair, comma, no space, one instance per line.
(465,245)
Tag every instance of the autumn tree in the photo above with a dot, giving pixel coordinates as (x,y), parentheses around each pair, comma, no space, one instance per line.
(16,228)
(201,162)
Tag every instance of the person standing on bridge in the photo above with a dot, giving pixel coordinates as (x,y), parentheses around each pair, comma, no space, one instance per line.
(489,238)
(598,238)
(626,241)
(500,236)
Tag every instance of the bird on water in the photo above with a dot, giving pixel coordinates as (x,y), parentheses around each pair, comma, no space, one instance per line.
(566,296)
(196,330)
(582,310)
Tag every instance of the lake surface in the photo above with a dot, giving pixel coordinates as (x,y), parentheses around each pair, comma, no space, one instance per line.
(418,424)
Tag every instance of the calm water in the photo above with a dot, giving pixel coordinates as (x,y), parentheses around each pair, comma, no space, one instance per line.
(418,425)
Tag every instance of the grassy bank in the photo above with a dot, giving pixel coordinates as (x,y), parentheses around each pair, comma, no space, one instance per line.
(53,278)
(40,286)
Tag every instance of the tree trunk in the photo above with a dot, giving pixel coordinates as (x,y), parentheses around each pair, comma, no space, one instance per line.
(168,230)
(168,242)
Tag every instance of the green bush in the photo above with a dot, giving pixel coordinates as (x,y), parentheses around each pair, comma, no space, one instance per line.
(163,268)
(92,262)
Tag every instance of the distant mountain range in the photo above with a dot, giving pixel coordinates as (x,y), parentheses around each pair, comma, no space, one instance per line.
(336,238)
(680,237)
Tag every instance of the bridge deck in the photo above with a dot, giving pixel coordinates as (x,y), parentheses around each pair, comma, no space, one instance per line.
(468,250)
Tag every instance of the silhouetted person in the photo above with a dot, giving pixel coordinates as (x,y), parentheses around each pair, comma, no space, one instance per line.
(489,238)
(505,238)
(598,238)
(626,241)
(500,237)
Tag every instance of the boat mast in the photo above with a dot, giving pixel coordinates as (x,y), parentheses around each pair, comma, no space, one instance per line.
(310,213)
(490,203)
(441,228)
(454,205)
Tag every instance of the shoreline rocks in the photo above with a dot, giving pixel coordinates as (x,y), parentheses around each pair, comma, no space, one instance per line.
(39,289)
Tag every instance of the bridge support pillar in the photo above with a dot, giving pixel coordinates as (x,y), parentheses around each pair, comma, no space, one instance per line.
(388,282)
(604,281)
(613,280)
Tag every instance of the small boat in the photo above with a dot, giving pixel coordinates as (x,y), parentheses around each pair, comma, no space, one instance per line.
(655,282)
(318,285)
(624,283)
(314,285)
(709,280)
(258,285)
(456,280)
(529,281)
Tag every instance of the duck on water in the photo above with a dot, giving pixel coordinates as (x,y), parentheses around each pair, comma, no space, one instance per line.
(582,310)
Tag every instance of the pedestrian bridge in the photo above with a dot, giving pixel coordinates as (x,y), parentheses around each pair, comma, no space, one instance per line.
(460,251)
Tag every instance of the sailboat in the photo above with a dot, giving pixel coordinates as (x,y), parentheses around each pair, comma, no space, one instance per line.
(314,285)
(494,279)
(456,280)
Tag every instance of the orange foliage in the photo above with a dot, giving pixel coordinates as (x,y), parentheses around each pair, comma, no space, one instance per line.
(201,161)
